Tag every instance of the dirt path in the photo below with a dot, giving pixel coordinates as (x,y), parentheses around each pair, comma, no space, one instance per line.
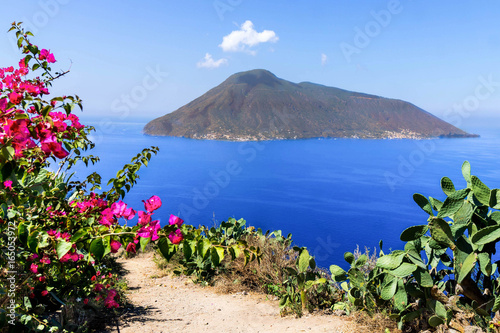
(172,304)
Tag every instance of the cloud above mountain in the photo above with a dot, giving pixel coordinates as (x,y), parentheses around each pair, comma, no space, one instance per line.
(246,38)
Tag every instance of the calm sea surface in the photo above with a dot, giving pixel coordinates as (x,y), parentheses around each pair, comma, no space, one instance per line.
(332,195)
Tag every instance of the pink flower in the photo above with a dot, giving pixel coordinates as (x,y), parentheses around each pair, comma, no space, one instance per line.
(86,301)
(111,303)
(112,293)
(34,268)
(52,232)
(74,256)
(107,217)
(51,145)
(15,98)
(46,55)
(131,248)
(8,184)
(45,293)
(150,231)
(98,287)
(176,236)
(175,220)
(115,245)
(120,210)
(33,257)
(66,257)
(41,279)
(152,203)
(144,218)
(45,260)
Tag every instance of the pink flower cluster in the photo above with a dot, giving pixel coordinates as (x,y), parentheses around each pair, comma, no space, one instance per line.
(117,210)
(28,129)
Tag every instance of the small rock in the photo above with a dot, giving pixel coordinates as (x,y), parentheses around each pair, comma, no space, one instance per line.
(339,313)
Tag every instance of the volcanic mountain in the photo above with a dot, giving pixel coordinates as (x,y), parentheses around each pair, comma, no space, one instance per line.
(257,105)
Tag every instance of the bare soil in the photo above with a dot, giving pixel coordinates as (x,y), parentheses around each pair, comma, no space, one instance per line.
(175,304)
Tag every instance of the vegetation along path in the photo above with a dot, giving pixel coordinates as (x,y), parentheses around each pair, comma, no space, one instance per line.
(175,304)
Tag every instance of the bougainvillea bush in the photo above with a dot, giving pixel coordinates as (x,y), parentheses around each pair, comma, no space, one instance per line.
(57,233)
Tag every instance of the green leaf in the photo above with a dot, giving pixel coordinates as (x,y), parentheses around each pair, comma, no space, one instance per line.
(389,289)
(338,274)
(203,246)
(416,259)
(423,203)
(303,262)
(217,255)
(411,316)
(495,216)
(97,248)
(390,261)
(167,250)
(349,257)
(404,270)
(464,214)
(236,250)
(453,203)
(486,235)
(441,232)
(63,247)
(447,186)
(466,172)
(188,248)
(440,310)
(401,297)
(435,203)
(33,241)
(467,266)
(78,235)
(496,306)
(423,277)
(481,191)
(435,321)
(485,263)
(143,241)
(413,233)
(361,260)
(495,198)
(23,232)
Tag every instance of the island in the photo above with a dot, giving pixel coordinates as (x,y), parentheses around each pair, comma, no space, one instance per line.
(256,105)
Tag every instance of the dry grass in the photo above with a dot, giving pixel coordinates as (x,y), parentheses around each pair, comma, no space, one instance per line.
(376,323)
(266,277)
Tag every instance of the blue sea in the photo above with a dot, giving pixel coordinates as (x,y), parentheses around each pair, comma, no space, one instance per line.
(330,194)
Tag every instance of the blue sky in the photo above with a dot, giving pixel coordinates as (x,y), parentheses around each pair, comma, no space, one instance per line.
(131,58)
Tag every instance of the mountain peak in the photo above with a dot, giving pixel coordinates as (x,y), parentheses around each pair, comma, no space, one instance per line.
(254,77)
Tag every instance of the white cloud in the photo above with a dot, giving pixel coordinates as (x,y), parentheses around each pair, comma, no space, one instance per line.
(324,59)
(247,37)
(209,62)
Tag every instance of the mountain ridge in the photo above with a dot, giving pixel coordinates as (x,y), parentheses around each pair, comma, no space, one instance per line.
(257,105)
